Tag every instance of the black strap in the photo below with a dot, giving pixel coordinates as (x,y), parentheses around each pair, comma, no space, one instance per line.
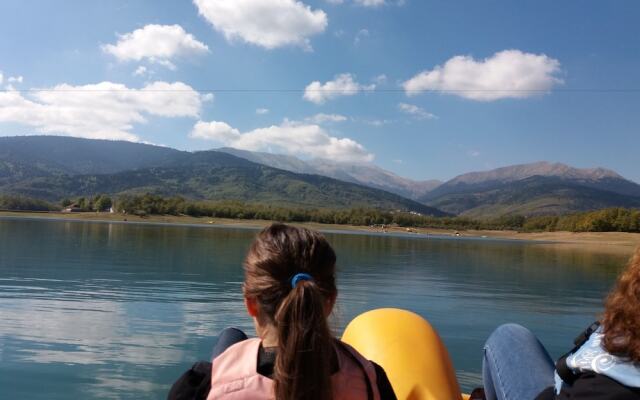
(362,367)
(563,370)
(194,384)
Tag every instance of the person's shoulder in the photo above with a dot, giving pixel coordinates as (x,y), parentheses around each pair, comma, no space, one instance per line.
(239,360)
(251,345)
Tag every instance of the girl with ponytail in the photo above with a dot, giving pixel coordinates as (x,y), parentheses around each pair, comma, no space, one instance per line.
(289,291)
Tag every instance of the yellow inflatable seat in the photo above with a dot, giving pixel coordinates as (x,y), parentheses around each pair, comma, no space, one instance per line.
(410,351)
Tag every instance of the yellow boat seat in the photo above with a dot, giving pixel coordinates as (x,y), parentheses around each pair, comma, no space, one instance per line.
(410,351)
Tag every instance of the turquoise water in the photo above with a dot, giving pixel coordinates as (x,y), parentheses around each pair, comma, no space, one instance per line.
(96,310)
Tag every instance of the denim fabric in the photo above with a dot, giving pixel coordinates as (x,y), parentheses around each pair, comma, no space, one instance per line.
(226,339)
(516,365)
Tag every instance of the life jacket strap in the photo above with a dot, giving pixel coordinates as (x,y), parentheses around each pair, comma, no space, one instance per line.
(362,367)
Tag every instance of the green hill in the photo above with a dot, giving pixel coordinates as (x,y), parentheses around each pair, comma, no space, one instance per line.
(60,154)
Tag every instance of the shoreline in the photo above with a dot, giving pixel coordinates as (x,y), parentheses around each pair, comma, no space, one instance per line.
(608,242)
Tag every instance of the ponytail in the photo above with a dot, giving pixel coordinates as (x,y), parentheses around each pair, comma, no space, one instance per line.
(305,346)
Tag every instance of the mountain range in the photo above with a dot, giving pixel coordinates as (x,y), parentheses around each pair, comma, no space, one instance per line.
(51,168)
(528,189)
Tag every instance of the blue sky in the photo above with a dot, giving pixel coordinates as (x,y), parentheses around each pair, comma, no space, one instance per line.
(427,89)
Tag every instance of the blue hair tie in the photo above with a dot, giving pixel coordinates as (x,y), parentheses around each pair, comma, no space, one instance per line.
(300,277)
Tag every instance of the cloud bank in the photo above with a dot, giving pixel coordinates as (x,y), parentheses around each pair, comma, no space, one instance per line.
(265,23)
(506,74)
(103,110)
(290,137)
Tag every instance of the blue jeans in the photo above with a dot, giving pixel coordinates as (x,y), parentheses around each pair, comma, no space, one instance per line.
(226,339)
(516,366)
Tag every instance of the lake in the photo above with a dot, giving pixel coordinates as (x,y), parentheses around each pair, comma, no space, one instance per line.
(108,310)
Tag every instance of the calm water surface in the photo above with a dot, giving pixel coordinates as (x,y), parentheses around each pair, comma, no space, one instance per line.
(92,310)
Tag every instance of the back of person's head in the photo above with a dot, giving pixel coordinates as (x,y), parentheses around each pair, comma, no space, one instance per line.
(621,320)
(298,309)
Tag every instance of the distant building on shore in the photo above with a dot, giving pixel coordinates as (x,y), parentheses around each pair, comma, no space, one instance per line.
(71,208)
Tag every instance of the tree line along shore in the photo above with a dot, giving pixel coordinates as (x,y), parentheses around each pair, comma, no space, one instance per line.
(606,220)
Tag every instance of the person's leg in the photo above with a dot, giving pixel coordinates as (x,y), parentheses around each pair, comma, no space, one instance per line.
(516,365)
(226,339)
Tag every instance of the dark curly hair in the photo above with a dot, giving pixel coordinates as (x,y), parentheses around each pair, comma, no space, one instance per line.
(621,319)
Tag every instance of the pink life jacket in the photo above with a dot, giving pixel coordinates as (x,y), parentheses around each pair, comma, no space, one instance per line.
(234,375)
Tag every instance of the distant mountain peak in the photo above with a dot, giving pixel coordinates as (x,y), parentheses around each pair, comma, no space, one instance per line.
(534,189)
(566,171)
(541,168)
(362,173)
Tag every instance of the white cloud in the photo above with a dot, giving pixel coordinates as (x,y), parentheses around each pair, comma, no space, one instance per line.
(290,137)
(103,110)
(262,111)
(370,3)
(15,79)
(371,121)
(507,74)
(342,85)
(322,118)
(473,153)
(140,71)
(376,122)
(380,79)
(362,33)
(215,130)
(157,44)
(416,111)
(266,23)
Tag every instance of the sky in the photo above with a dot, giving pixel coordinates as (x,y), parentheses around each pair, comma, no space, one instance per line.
(426,89)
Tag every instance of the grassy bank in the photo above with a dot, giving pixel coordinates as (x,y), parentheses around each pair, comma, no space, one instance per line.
(605,220)
(610,242)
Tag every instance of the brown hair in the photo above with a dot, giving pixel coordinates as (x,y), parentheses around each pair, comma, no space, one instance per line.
(621,320)
(305,343)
